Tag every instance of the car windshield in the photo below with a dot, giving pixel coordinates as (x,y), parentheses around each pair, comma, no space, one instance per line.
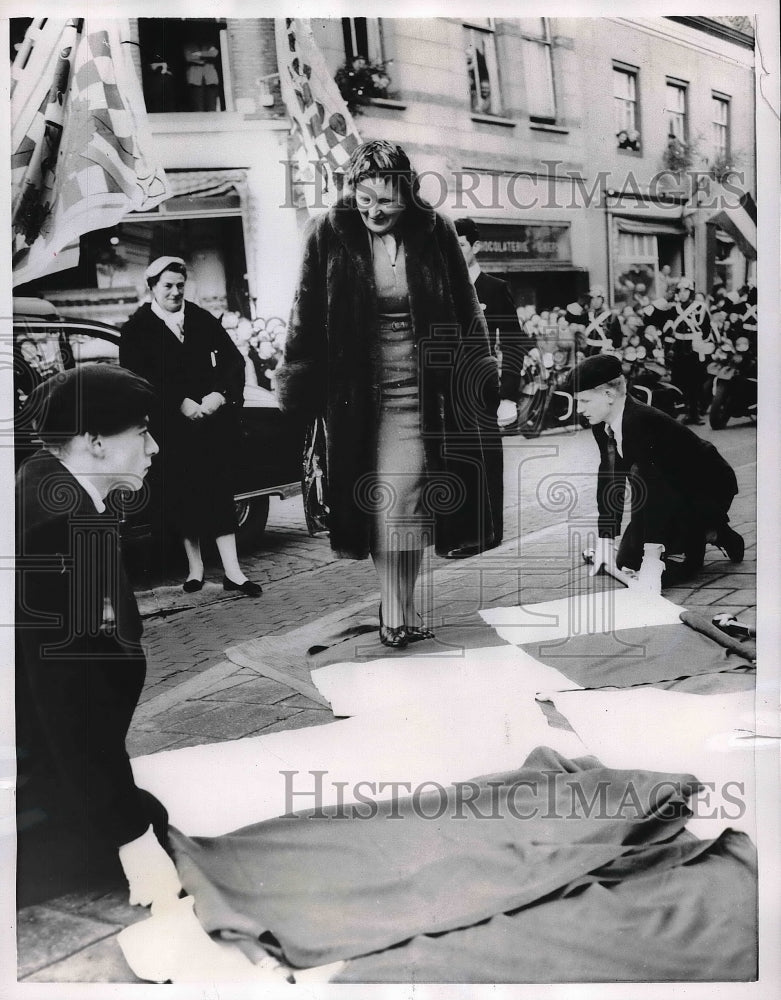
(47,346)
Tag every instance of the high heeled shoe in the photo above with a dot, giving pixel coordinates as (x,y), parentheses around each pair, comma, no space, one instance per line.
(394,638)
(417,633)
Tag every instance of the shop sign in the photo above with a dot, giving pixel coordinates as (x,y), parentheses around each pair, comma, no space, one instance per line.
(530,242)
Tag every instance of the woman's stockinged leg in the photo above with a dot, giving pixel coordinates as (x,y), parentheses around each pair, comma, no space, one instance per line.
(410,563)
(387,565)
(192,548)
(226,546)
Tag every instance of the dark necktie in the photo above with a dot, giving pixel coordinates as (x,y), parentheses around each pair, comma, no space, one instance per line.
(611,447)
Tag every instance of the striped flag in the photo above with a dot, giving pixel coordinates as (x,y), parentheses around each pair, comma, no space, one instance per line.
(324,133)
(740,222)
(81,152)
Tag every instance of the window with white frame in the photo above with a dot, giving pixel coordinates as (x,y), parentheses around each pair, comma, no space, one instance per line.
(363,38)
(625,104)
(720,125)
(675,109)
(481,67)
(538,68)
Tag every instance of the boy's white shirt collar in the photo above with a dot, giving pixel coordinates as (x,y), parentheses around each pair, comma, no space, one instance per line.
(474,271)
(87,485)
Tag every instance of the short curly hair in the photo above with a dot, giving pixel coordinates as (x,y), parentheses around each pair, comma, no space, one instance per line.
(386,161)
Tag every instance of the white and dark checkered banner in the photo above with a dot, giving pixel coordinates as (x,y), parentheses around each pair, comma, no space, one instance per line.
(82,156)
(324,133)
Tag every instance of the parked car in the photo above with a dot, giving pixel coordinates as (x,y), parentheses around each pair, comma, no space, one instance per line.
(270,451)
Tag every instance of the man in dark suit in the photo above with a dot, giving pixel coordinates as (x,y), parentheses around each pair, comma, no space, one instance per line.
(80,666)
(506,338)
(682,487)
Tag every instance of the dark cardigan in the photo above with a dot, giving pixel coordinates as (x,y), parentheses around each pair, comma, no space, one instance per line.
(331,367)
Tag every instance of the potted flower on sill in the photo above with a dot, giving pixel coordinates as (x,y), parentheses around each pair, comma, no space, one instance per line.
(678,155)
(628,139)
(359,80)
(723,167)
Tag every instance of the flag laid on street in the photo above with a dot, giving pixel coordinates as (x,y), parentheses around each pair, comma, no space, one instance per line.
(324,133)
(82,156)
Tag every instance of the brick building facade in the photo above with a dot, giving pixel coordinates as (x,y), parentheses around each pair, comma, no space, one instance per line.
(585,149)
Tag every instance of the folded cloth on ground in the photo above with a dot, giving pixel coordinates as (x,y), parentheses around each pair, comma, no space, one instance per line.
(595,612)
(477,675)
(692,921)
(670,731)
(341,882)
(213,789)
(746,647)
(648,655)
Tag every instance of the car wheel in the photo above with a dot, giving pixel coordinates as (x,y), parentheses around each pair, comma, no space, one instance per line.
(719,408)
(252,515)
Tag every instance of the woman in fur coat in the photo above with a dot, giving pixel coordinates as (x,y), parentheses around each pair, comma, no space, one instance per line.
(388,343)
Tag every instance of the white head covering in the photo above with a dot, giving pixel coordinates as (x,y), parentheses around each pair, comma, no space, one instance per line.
(160,264)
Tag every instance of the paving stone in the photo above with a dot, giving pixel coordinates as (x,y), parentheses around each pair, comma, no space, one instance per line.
(736,580)
(261,691)
(310,717)
(192,741)
(299,701)
(174,719)
(111,907)
(230,721)
(740,597)
(140,743)
(46,935)
(102,962)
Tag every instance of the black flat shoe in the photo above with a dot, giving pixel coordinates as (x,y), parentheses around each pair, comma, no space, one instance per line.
(393,638)
(192,586)
(464,552)
(418,633)
(248,588)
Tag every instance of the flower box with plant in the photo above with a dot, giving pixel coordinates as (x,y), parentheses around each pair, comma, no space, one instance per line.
(724,166)
(359,80)
(678,155)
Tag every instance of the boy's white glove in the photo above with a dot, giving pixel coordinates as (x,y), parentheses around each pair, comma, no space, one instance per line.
(604,555)
(649,576)
(150,872)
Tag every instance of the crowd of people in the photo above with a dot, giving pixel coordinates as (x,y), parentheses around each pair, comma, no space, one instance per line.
(679,331)
(261,343)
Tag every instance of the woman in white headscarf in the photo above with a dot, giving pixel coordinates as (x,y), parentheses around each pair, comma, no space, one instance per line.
(198,374)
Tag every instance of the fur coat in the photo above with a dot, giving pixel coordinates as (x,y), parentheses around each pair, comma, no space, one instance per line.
(332,368)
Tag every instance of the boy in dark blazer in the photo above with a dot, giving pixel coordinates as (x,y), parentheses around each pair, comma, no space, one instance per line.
(682,487)
(80,666)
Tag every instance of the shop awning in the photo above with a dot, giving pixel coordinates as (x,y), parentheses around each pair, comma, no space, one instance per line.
(740,222)
(206,182)
(650,227)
